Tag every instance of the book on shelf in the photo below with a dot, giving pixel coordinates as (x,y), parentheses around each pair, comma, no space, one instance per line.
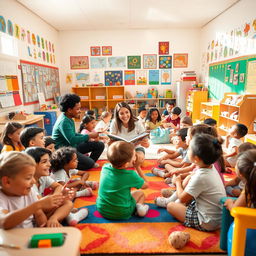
(133,140)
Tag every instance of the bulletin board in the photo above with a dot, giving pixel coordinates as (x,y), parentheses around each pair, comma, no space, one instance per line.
(229,76)
(38,78)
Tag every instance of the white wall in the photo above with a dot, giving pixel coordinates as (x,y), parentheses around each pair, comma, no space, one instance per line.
(129,42)
(12,10)
(233,19)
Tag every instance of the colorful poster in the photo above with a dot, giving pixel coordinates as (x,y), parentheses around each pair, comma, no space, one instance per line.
(149,61)
(153,77)
(106,50)
(133,62)
(180,60)
(141,77)
(165,61)
(79,62)
(117,62)
(95,50)
(98,62)
(166,76)
(129,77)
(83,77)
(96,77)
(113,78)
(163,48)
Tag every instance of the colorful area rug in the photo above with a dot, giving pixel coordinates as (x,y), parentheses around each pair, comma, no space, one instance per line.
(139,235)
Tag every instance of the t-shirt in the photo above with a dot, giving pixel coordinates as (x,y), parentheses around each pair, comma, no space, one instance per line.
(64,133)
(44,182)
(13,203)
(151,126)
(182,152)
(62,176)
(233,142)
(114,198)
(176,122)
(207,189)
(166,113)
(142,120)
(7,148)
(102,126)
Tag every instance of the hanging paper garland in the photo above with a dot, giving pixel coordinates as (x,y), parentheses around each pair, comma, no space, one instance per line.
(10,28)
(33,39)
(28,37)
(42,42)
(2,24)
(17,31)
(38,40)
(23,34)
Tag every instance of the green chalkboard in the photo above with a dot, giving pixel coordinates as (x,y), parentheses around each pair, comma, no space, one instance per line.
(228,76)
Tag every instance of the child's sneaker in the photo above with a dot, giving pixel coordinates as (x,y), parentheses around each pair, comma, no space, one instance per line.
(74,218)
(161,201)
(142,209)
(158,172)
(92,184)
(166,192)
(168,180)
(85,192)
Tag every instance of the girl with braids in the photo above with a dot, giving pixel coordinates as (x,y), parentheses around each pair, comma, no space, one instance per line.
(246,170)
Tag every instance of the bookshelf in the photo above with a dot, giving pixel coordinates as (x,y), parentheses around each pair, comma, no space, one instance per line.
(235,109)
(193,103)
(210,110)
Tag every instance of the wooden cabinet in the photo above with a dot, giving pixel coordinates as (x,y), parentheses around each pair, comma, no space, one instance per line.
(99,98)
(210,110)
(193,103)
(237,109)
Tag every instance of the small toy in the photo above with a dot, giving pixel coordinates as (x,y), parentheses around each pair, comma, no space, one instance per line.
(47,240)
(178,239)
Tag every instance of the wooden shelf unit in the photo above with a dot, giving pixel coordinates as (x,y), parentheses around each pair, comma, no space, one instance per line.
(193,103)
(210,110)
(246,109)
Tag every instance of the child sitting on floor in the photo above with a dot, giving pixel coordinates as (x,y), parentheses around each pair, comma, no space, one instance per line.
(186,122)
(63,164)
(104,123)
(115,199)
(142,115)
(10,138)
(204,190)
(153,119)
(32,137)
(173,120)
(49,143)
(168,108)
(19,205)
(87,125)
(233,141)
(43,182)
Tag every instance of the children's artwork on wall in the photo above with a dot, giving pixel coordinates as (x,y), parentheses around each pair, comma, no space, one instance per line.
(241,78)
(96,77)
(79,62)
(33,39)
(106,50)
(117,62)
(141,77)
(38,41)
(149,61)
(17,31)
(166,76)
(153,77)
(231,75)
(2,24)
(113,78)
(180,60)
(98,62)
(163,48)
(165,62)
(235,79)
(10,28)
(237,67)
(69,78)
(129,77)
(134,62)
(83,77)
(95,50)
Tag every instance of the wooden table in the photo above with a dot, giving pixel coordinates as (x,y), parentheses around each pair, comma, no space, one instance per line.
(21,237)
(250,138)
(33,119)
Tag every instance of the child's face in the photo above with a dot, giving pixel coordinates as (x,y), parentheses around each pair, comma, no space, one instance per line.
(21,184)
(154,115)
(124,115)
(37,141)
(178,141)
(239,174)
(233,131)
(143,113)
(51,147)
(188,137)
(183,125)
(107,118)
(43,167)
(169,107)
(90,126)
(174,116)
(73,163)
(15,137)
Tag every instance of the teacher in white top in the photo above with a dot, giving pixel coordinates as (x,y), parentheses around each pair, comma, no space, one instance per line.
(127,126)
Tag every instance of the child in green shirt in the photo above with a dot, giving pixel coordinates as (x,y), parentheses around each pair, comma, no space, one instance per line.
(115,199)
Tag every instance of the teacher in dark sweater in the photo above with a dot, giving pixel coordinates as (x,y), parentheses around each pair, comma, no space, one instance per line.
(64,133)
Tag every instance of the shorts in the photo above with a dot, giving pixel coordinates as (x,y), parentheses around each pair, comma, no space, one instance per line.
(191,218)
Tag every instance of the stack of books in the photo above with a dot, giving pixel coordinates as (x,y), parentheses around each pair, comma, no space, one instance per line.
(188,76)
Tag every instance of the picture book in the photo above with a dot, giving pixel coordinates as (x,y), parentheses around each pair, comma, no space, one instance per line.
(133,140)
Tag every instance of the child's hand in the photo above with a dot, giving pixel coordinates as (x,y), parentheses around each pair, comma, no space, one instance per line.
(52,201)
(85,177)
(68,193)
(229,203)
(53,223)
(160,150)
(236,192)
(93,135)
(176,178)
(144,143)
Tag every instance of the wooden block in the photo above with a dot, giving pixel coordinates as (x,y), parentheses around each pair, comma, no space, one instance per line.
(45,243)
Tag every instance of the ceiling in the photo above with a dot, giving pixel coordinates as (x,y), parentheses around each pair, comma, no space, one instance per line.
(127,14)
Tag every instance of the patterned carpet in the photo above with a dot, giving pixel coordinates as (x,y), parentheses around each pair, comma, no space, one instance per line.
(139,235)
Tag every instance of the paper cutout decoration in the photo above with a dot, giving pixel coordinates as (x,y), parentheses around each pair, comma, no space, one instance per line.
(69,78)
(17,99)
(113,78)
(141,77)
(10,28)
(106,50)
(153,77)
(166,76)
(180,60)
(149,61)
(134,62)
(129,77)
(95,50)
(42,42)
(165,62)
(2,24)
(163,48)
(23,34)
(79,62)
(17,31)
(28,37)
(38,41)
